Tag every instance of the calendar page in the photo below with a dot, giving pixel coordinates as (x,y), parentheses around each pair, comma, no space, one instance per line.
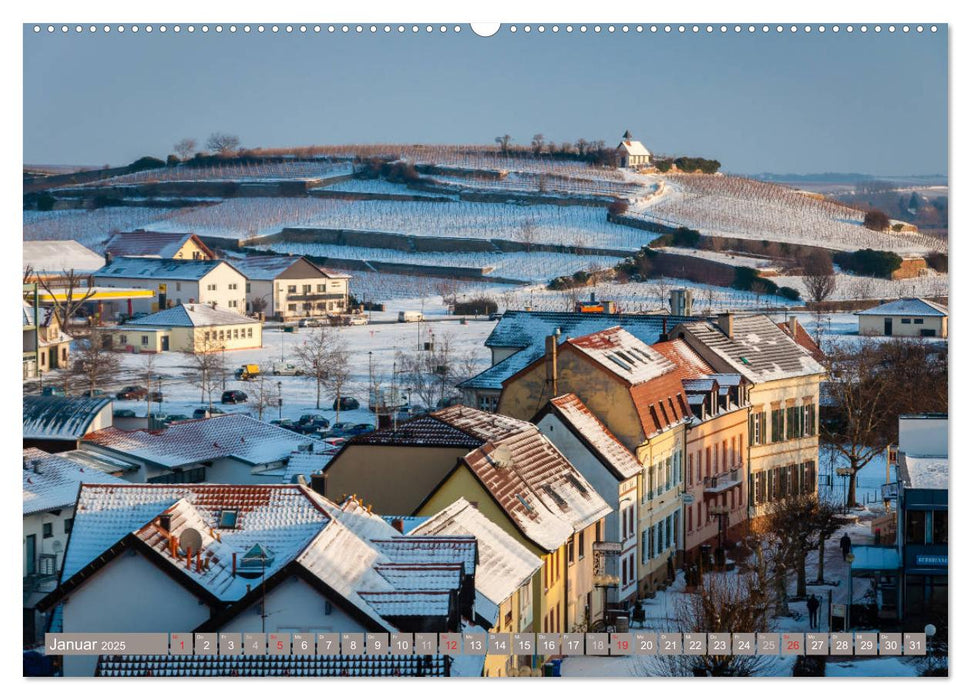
(526,349)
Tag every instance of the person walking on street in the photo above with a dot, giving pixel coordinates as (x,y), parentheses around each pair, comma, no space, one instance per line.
(845,545)
(813,605)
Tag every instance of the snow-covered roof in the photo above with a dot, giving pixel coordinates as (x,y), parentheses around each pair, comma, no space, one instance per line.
(158,268)
(758,349)
(301,464)
(924,471)
(504,564)
(422,431)
(351,551)
(617,458)
(911,306)
(621,353)
(57,257)
(528,331)
(52,481)
(191,316)
(544,495)
(267,267)
(234,435)
(156,244)
(60,417)
(634,148)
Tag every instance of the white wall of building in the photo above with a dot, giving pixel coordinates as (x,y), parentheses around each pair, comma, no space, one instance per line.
(920,435)
(55,544)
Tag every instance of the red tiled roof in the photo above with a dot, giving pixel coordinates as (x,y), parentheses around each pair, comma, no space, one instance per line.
(804,339)
(618,458)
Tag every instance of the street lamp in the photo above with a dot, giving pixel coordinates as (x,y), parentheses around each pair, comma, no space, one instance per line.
(279,398)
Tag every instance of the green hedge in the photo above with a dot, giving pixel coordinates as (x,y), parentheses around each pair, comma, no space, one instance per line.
(869,262)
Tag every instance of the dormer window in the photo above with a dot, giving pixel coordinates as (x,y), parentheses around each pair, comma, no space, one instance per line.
(228,518)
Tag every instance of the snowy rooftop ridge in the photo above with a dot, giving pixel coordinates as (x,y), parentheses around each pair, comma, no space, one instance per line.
(619,352)
(356,554)
(924,471)
(233,435)
(161,244)
(504,564)
(578,417)
(52,481)
(191,316)
(57,257)
(910,306)
(158,268)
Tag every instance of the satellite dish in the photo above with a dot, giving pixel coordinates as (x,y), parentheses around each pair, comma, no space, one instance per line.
(502,456)
(190,539)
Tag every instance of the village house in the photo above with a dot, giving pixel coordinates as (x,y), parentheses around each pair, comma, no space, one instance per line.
(783,380)
(519,337)
(287,287)
(50,487)
(612,470)
(227,449)
(196,328)
(158,244)
(46,346)
(212,282)
(234,559)
(49,261)
(59,423)
(905,318)
(510,472)
(632,154)
(636,392)
(716,440)
(503,576)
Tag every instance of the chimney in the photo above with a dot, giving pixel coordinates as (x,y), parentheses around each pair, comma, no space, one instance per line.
(552,373)
(318,482)
(399,525)
(37,466)
(165,521)
(108,258)
(664,329)
(593,297)
(234,564)
(726,323)
(793,326)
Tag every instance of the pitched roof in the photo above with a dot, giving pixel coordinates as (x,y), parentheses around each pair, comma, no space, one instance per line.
(633,148)
(528,331)
(191,316)
(481,425)
(433,666)
(803,338)
(158,244)
(544,496)
(158,268)
(59,417)
(266,267)
(56,257)
(235,435)
(624,355)
(586,426)
(504,564)
(340,549)
(687,362)
(911,306)
(422,431)
(758,349)
(52,481)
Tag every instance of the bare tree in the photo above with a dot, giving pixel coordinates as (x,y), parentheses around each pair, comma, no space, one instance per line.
(339,376)
(222,143)
(148,372)
(820,281)
(431,373)
(185,147)
(258,304)
(206,369)
(538,142)
(323,356)
(801,523)
(503,142)
(263,396)
(527,234)
(69,296)
(94,365)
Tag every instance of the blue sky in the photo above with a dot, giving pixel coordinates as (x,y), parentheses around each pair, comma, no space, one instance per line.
(872,103)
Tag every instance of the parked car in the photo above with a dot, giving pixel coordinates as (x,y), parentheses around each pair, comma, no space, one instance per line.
(156,396)
(448,402)
(53,391)
(309,323)
(410,316)
(286,369)
(334,441)
(357,320)
(175,418)
(314,420)
(360,428)
(132,393)
(347,403)
(205,412)
(234,396)
(123,413)
(495,316)
(283,423)
(339,429)
(88,394)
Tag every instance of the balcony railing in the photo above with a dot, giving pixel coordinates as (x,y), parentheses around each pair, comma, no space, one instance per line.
(723,482)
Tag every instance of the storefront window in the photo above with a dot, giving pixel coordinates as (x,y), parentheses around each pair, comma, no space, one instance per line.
(915,526)
(940,527)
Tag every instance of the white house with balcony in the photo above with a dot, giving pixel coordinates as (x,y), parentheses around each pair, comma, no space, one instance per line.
(290,286)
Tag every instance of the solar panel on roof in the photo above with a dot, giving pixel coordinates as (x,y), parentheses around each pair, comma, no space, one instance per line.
(623,365)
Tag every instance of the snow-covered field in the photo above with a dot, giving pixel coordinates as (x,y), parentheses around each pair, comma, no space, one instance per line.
(743,208)
(933,284)
(89,228)
(297,170)
(572,226)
